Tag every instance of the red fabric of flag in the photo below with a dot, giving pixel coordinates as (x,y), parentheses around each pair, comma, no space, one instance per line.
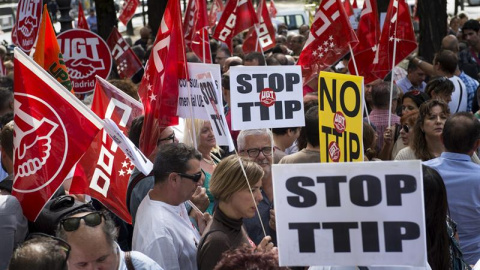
(217,7)
(265,30)
(126,60)
(159,86)
(272,9)
(354,5)
(104,170)
(53,130)
(128,10)
(329,39)
(200,44)
(82,22)
(348,8)
(397,29)
(189,21)
(239,15)
(368,34)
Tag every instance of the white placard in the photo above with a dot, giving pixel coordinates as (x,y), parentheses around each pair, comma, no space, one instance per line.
(347,214)
(199,112)
(214,108)
(131,151)
(266,97)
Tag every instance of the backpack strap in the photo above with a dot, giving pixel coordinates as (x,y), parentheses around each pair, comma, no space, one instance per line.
(128,261)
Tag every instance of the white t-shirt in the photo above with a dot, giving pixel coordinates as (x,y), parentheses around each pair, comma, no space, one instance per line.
(459,96)
(164,233)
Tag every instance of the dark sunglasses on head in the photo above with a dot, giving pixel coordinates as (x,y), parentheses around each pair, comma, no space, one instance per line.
(59,242)
(72,223)
(194,177)
(405,128)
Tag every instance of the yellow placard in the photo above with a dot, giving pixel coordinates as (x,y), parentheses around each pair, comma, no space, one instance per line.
(340,109)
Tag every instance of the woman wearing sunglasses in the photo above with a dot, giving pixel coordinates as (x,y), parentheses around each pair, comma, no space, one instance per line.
(237,199)
(207,146)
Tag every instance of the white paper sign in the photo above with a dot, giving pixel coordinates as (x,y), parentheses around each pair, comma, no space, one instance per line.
(266,97)
(347,214)
(183,109)
(133,153)
(214,108)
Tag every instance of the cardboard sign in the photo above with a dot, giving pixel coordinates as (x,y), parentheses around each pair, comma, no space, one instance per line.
(86,55)
(347,214)
(29,14)
(340,109)
(214,108)
(194,69)
(266,97)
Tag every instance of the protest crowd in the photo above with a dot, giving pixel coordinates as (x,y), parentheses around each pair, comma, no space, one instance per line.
(233,142)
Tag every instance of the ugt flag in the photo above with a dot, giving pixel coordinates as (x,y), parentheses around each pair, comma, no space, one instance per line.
(103,172)
(125,59)
(265,30)
(82,21)
(53,129)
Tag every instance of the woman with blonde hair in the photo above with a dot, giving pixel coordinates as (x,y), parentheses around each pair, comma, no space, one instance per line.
(207,146)
(237,198)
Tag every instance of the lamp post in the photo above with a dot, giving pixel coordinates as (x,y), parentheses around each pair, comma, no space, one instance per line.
(65,19)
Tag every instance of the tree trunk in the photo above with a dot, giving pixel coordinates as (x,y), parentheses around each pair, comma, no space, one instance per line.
(433,22)
(382,6)
(156,8)
(106,17)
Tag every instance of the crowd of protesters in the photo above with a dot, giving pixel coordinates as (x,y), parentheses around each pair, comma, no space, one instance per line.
(196,210)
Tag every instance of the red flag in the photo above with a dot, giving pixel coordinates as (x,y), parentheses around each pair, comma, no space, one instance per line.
(397,28)
(189,21)
(239,15)
(47,52)
(159,87)
(272,9)
(329,39)
(126,60)
(53,129)
(265,30)
(82,22)
(368,33)
(348,8)
(200,43)
(128,10)
(217,7)
(107,180)
(354,5)
(27,22)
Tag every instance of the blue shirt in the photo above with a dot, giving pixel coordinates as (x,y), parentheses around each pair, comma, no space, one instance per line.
(462,181)
(472,86)
(407,86)
(253,226)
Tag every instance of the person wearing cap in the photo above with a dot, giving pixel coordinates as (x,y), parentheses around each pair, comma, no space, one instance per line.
(91,236)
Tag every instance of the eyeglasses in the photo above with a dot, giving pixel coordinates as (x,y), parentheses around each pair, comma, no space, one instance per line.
(406,128)
(255,152)
(171,137)
(72,223)
(58,242)
(194,177)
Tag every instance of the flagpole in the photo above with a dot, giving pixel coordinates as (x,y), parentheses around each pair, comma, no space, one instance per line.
(203,44)
(356,72)
(260,44)
(391,79)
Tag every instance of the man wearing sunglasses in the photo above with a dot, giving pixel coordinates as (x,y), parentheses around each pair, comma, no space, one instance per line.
(163,230)
(256,144)
(91,236)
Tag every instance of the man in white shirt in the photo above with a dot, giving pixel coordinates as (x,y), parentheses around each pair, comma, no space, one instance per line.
(163,230)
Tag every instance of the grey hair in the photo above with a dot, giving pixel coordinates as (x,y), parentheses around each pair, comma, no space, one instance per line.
(250,132)
(108,228)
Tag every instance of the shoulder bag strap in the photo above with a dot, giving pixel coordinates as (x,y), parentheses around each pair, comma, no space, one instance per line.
(132,185)
(128,261)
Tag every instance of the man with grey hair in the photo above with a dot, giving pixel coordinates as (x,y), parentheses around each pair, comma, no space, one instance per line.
(257,145)
(91,235)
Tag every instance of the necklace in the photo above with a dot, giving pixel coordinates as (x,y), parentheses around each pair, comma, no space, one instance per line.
(209,161)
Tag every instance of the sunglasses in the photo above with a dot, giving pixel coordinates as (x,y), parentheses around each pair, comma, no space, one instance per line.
(171,137)
(406,128)
(59,242)
(72,223)
(194,177)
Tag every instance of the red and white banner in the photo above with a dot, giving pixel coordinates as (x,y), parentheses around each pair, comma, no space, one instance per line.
(53,129)
(272,9)
(239,15)
(189,21)
(126,60)
(29,14)
(200,44)
(397,29)
(217,8)
(265,30)
(160,83)
(103,172)
(82,21)
(128,10)
(86,56)
(329,39)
